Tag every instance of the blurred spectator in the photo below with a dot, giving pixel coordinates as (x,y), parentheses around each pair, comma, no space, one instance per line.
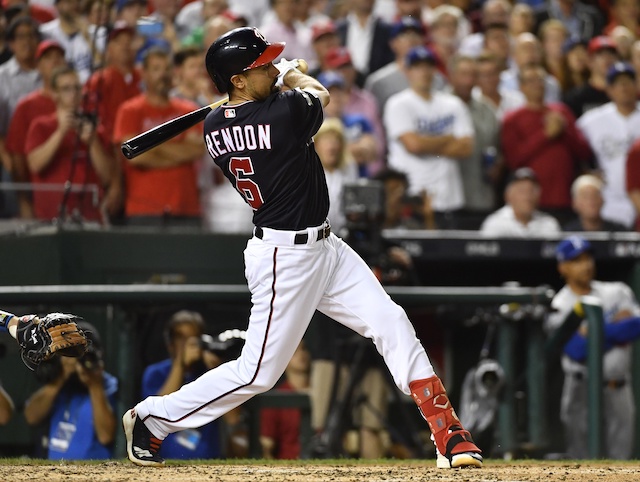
(18,77)
(253,10)
(406,33)
(161,183)
(519,217)
(5,51)
(624,38)
(481,170)
(522,20)
(444,34)
(71,30)
(497,44)
(582,20)
(105,91)
(280,427)
(527,50)
(575,66)
(359,133)
(324,38)
(544,137)
(632,172)
(359,101)
(7,407)
(194,15)
(625,13)
(66,147)
(576,265)
(635,59)
(493,11)
(611,130)
(408,8)
(202,36)
(214,28)
(129,11)
(311,12)
(587,202)
(488,87)
(50,55)
(553,35)
(428,133)
(428,8)
(187,361)
(402,210)
(191,81)
(159,28)
(287,29)
(77,399)
(366,36)
(338,165)
(40,13)
(602,55)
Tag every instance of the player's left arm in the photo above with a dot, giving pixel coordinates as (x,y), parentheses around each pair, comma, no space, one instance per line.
(294,79)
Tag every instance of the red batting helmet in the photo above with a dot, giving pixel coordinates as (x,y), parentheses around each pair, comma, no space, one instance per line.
(236,51)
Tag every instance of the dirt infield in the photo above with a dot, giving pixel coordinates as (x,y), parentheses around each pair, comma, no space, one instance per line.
(252,471)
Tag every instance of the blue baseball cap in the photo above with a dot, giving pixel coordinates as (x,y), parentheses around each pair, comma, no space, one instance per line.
(620,68)
(420,54)
(331,78)
(404,24)
(572,247)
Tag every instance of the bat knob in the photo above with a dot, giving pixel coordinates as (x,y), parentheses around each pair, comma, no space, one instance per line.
(303,66)
(127,150)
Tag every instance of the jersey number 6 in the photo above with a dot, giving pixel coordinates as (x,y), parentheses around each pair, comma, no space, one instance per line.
(241,168)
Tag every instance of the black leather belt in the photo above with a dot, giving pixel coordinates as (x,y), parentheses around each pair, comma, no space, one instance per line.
(300,238)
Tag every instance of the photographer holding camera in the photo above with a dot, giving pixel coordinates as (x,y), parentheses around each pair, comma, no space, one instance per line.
(77,399)
(65,148)
(191,353)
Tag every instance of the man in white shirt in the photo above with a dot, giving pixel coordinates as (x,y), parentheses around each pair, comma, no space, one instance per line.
(519,217)
(428,133)
(611,129)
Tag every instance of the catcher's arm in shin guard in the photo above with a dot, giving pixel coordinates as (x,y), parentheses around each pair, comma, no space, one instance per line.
(42,338)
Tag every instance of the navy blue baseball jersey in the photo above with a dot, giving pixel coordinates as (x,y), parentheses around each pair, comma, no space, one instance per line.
(266,150)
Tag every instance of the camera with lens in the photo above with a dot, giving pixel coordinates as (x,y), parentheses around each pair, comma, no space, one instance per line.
(88,117)
(226,345)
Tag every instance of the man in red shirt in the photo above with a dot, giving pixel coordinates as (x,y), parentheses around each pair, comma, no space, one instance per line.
(105,91)
(65,147)
(545,138)
(49,56)
(161,183)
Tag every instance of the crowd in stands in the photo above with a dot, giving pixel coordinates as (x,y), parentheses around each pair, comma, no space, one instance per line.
(457,96)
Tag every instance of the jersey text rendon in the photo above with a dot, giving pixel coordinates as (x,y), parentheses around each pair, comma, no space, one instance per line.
(238,139)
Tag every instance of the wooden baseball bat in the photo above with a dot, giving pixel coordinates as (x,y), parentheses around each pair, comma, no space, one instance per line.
(162,133)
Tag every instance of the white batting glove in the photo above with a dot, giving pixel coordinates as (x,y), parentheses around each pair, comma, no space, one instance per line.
(283,67)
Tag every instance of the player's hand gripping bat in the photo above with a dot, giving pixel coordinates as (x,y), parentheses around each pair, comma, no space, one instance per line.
(162,133)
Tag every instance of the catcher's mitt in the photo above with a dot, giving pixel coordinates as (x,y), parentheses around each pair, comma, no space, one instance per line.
(55,334)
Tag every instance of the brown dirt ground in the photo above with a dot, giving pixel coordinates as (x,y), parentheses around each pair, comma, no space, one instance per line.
(115,471)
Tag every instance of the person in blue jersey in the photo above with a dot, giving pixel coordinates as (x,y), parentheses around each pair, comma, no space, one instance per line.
(77,400)
(262,139)
(187,360)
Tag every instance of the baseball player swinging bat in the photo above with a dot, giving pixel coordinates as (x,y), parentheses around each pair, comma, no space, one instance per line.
(153,137)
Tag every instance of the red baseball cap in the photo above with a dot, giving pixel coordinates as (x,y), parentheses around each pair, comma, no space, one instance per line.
(601,43)
(47,45)
(338,57)
(121,27)
(322,28)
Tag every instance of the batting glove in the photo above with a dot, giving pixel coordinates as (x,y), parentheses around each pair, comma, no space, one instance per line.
(283,67)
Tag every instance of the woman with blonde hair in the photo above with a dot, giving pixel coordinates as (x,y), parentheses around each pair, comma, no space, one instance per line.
(339,168)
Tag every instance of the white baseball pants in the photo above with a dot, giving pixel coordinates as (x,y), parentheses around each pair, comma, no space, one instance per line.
(287,283)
